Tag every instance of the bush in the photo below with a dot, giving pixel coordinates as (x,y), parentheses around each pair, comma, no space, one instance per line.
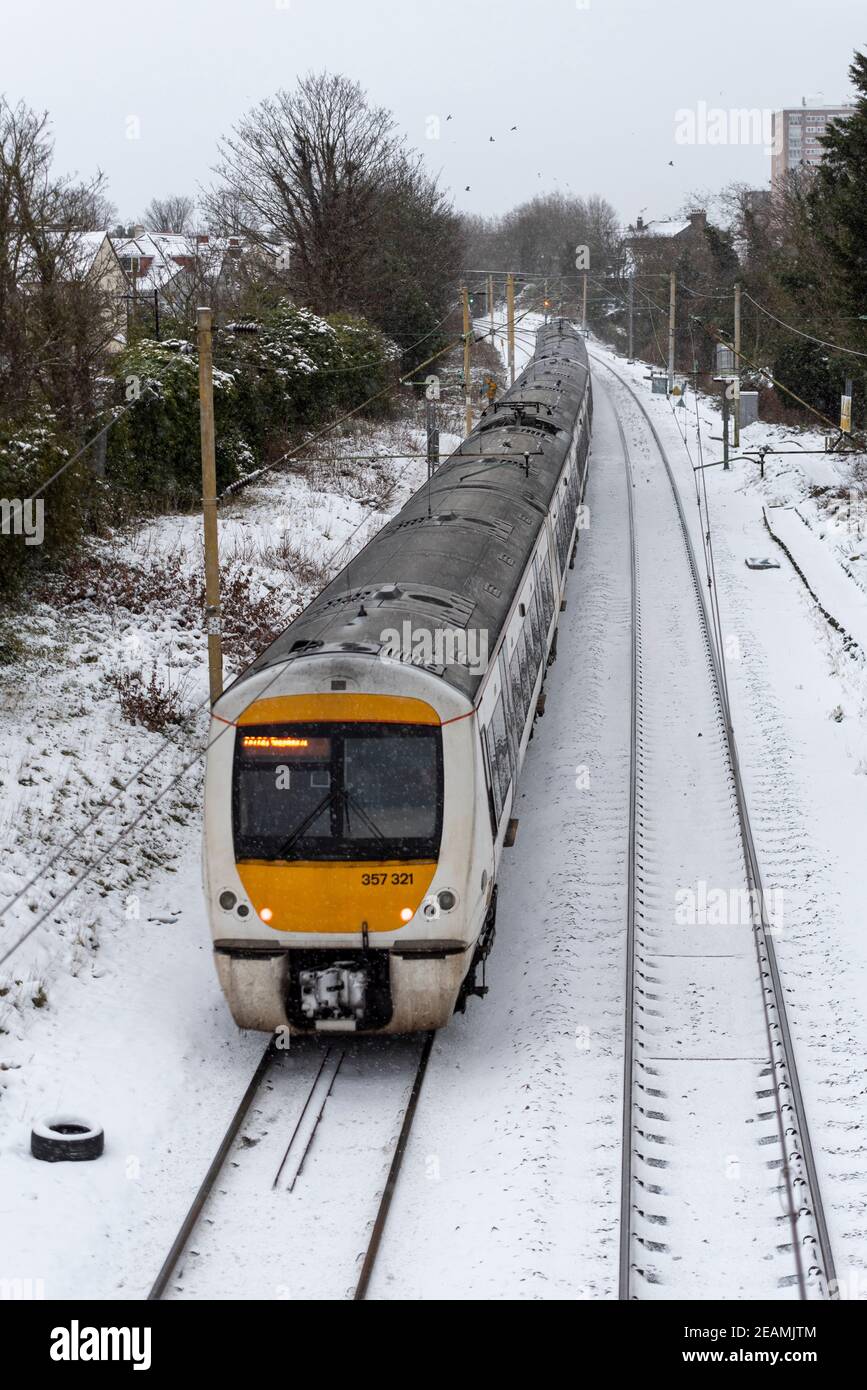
(154,448)
(30,454)
(147,702)
(819,378)
(285,378)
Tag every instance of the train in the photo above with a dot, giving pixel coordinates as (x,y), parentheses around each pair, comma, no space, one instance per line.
(361,773)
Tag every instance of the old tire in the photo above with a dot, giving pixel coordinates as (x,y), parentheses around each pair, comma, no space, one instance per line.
(65,1138)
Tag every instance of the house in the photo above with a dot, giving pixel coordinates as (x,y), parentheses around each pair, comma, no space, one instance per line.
(662,239)
(175,269)
(87,258)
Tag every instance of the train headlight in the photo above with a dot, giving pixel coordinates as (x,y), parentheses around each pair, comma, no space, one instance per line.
(447,900)
(405,914)
(227,900)
(266,914)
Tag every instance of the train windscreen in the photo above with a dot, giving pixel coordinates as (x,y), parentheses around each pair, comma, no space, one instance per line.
(337,791)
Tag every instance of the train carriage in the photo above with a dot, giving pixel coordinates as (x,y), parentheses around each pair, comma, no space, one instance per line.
(361,773)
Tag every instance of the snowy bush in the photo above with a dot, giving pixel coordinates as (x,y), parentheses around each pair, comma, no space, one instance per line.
(289,376)
(30,454)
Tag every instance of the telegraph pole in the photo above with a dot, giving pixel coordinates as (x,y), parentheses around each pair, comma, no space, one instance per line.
(584,302)
(672,293)
(209,504)
(631,302)
(510,321)
(468,400)
(491,305)
(737,436)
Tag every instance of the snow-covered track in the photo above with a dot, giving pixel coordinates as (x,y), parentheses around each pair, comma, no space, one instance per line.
(245,1209)
(720,1194)
(216,1167)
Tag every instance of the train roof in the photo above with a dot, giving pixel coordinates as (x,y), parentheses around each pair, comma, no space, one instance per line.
(452,556)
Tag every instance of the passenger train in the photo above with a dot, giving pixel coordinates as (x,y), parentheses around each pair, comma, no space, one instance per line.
(361,773)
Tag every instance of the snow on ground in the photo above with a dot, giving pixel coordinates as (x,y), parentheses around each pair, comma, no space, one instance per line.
(510,1188)
(111,1007)
(799,700)
(510,1185)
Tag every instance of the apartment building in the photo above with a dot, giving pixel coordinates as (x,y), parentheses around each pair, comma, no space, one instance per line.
(796,132)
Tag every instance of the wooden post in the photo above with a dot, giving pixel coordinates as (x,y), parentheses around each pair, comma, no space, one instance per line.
(468,400)
(737,438)
(672,297)
(510,322)
(584,302)
(491,305)
(631,315)
(209,504)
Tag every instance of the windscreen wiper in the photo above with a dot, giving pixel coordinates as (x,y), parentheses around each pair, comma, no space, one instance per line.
(307,822)
(350,797)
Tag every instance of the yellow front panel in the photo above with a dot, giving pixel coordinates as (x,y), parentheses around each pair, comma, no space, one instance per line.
(311,896)
(336,708)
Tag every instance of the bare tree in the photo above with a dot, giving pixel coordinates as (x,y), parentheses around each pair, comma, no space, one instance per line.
(171,214)
(224,212)
(56,310)
(309,167)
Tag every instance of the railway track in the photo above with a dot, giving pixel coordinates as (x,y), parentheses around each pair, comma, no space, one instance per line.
(271,1185)
(719,1191)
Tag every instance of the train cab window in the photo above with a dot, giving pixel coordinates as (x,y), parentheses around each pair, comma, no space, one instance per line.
(338,792)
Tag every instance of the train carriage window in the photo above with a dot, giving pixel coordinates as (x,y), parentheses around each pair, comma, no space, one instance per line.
(562,540)
(544,570)
(488,751)
(526,682)
(498,750)
(535,633)
(571,506)
(510,714)
(517,690)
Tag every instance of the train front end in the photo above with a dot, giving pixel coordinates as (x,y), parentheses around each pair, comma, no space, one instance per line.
(341,847)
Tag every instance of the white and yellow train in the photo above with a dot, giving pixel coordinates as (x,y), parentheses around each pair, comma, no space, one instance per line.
(362,772)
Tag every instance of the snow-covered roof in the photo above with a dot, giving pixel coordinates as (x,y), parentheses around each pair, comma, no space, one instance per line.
(170,253)
(670,227)
(160,249)
(84,249)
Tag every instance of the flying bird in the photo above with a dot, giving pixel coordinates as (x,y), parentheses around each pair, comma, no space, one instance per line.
(671,164)
(514,127)
(467,189)
(490,139)
(448,118)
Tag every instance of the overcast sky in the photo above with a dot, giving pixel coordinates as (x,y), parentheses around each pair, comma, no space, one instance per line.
(594,86)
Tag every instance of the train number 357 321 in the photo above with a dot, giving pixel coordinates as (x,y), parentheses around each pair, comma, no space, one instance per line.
(379,880)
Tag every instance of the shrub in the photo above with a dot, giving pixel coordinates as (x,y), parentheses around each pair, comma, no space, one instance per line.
(269,385)
(147,702)
(819,377)
(30,454)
